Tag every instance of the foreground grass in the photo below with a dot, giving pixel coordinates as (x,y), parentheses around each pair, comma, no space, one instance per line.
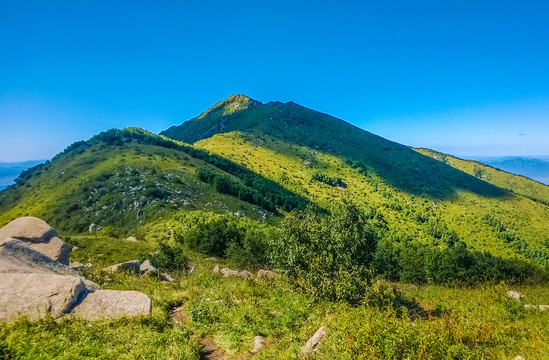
(400,322)
(141,338)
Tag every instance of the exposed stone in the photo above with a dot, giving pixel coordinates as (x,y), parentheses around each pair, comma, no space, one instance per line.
(537,307)
(90,285)
(112,304)
(28,228)
(265,274)
(235,273)
(79,266)
(147,268)
(132,265)
(36,295)
(193,270)
(131,239)
(217,269)
(166,278)
(258,344)
(314,342)
(55,249)
(211,259)
(514,295)
(92,227)
(19,257)
(519,358)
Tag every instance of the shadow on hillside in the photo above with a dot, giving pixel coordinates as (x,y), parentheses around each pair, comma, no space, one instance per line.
(396,165)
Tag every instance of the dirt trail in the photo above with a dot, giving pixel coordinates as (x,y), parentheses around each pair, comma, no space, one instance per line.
(210,350)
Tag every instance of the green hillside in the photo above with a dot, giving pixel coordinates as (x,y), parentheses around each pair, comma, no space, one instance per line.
(324,158)
(122,179)
(398,253)
(260,161)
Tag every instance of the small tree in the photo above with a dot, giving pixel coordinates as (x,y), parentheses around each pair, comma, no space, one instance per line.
(327,255)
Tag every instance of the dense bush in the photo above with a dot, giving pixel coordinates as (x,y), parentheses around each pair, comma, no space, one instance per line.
(327,179)
(170,258)
(410,261)
(327,255)
(242,241)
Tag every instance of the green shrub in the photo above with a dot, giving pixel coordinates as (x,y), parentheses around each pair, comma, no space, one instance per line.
(327,255)
(243,241)
(170,258)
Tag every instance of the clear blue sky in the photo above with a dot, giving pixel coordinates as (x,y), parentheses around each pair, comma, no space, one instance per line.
(464,77)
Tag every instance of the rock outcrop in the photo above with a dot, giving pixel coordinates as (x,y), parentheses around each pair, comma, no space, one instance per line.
(36,281)
(39,235)
(29,229)
(112,304)
(36,295)
(132,266)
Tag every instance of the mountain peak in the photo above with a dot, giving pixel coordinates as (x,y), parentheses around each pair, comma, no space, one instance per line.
(233,103)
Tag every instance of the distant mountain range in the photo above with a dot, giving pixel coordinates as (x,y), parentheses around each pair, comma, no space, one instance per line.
(9,171)
(535,168)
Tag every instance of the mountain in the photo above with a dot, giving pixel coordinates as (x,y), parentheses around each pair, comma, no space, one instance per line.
(425,197)
(261,161)
(537,169)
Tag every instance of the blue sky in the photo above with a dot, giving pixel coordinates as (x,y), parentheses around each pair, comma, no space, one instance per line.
(464,77)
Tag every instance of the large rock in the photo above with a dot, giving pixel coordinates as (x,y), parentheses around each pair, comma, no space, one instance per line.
(29,229)
(36,295)
(19,257)
(55,249)
(112,304)
(132,265)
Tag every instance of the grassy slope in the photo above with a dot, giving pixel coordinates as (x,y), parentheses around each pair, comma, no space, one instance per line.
(287,143)
(293,166)
(123,186)
(442,323)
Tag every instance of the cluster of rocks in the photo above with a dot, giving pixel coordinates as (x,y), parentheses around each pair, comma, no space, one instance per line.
(36,281)
(515,295)
(143,269)
(243,274)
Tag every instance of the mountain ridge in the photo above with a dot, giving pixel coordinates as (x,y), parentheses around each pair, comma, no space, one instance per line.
(268,159)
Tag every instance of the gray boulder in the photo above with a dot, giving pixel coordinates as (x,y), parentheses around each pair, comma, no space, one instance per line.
(244,274)
(28,228)
(166,278)
(55,249)
(36,295)
(19,257)
(131,239)
(112,304)
(217,269)
(132,265)
(146,268)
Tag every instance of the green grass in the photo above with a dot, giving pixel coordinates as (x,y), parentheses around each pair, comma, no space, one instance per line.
(427,322)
